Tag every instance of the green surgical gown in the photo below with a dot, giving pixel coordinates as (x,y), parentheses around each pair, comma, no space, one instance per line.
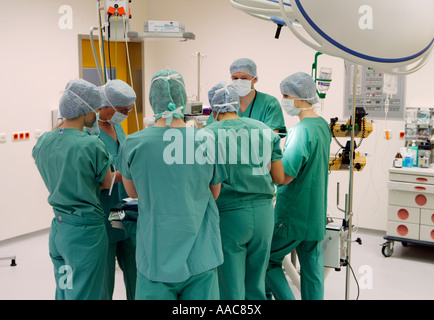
(264,108)
(244,187)
(178,234)
(72,165)
(245,205)
(121,241)
(301,210)
(301,206)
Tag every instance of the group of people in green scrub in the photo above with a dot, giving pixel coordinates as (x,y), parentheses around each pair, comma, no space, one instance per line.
(206,228)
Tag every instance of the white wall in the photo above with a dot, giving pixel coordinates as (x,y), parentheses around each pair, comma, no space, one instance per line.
(224,34)
(37,59)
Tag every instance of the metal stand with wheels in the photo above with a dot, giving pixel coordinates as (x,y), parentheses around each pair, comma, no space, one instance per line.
(388,246)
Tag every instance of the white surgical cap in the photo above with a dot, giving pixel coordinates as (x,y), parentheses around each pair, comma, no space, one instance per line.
(79,97)
(300,85)
(245,65)
(223,97)
(117,93)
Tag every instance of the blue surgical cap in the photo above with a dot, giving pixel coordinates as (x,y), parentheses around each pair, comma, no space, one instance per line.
(223,97)
(117,93)
(79,97)
(300,85)
(167,95)
(245,65)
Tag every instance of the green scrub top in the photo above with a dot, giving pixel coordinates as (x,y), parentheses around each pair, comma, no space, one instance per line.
(245,187)
(73,164)
(301,206)
(264,108)
(178,234)
(118,192)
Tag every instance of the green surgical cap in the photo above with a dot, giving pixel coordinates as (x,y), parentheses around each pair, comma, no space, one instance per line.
(167,92)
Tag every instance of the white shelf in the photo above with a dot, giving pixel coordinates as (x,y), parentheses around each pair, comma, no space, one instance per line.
(161,35)
(415,170)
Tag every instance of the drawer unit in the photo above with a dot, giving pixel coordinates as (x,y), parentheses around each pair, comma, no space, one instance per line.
(412,175)
(413,199)
(426,233)
(403,230)
(410,213)
(427,217)
(404,214)
(411,187)
(412,178)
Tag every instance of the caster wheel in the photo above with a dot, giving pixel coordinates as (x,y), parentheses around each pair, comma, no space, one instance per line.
(387,249)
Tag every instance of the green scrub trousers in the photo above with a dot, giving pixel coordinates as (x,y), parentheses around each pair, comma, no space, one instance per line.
(125,253)
(203,286)
(246,239)
(311,269)
(78,250)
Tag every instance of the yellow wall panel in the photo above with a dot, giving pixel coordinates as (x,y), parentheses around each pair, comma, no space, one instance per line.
(118,59)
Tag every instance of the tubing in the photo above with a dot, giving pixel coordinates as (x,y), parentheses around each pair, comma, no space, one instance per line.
(98,67)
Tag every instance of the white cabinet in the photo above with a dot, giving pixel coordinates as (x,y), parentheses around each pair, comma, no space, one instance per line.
(411,204)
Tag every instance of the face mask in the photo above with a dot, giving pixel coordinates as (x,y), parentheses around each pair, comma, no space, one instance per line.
(290,109)
(117,118)
(244,87)
(95,128)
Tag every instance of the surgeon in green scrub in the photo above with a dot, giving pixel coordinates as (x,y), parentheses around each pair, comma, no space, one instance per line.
(75,166)
(118,100)
(176,182)
(301,205)
(254,104)
(245,201)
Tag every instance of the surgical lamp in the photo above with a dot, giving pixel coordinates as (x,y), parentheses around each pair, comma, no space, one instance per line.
(385,35)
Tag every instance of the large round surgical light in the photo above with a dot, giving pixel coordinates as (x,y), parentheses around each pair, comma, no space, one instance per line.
(386,35)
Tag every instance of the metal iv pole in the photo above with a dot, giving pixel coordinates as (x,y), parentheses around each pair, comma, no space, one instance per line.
(199,57)
(349,206)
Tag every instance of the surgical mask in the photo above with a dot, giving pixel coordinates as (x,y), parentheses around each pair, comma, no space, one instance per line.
(95,128)
(117,118)
(289,106)
(244,87)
